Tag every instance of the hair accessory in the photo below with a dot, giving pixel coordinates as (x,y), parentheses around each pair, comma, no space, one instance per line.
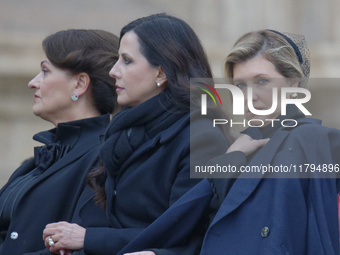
(299,44)
(158,84)
(75,96)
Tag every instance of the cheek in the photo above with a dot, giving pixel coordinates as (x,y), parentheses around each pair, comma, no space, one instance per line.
(266,97)
(44,90)
(132,80)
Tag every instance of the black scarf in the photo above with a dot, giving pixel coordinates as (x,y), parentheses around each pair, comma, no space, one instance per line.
(132,127)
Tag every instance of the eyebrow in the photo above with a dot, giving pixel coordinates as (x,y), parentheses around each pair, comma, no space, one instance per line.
(260,75)
(125,55)
(43,62)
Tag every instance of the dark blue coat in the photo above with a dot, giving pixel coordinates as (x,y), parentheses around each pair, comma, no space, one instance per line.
(54,195)
(177,230)
(280,215)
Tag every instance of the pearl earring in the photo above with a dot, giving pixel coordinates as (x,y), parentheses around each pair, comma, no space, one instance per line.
(75,96)
(294,95)
(158,84)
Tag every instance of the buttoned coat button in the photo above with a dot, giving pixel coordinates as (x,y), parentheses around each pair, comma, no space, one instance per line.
(265,232)
(14,235)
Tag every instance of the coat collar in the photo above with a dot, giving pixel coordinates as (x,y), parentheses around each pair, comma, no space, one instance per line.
(293,113)
(94,127)
(88,135)
(68,133)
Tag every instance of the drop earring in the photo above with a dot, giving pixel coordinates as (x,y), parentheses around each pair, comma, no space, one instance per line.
(75,96)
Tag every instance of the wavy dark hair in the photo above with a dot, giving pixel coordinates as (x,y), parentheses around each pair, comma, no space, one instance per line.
(91,51)
(170,43)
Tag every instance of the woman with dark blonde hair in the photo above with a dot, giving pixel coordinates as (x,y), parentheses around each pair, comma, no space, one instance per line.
(75,93)
(276,213)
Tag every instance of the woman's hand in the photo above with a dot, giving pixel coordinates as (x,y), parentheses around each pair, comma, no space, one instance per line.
(247,145)
(65,236)
(141,253)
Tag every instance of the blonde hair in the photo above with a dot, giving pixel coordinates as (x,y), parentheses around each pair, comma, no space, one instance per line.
(271,45)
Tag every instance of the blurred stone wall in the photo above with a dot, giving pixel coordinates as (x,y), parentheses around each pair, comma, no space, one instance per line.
(24,24)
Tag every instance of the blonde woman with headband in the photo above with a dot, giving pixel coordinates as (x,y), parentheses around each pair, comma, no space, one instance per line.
(276,213)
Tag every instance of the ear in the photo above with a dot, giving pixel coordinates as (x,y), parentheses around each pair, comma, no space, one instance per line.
(83,83)
(294,83)
(161,77)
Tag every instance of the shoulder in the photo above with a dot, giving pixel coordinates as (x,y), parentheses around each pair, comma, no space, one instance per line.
(313,137)
(311,128)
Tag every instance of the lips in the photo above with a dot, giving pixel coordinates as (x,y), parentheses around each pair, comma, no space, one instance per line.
(36,97)
(118,88)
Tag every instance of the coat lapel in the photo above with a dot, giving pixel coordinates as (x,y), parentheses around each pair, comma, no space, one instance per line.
(243,186)
(81,148)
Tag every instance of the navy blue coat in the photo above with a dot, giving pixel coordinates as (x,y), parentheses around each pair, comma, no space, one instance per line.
(177,230)
(280,216)
(54,195)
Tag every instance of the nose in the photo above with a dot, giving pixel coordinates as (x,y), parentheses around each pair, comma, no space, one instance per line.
(114,73)
(252,92)
(34,83)
(255,95)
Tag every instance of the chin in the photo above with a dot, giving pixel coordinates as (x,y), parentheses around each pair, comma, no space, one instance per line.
(37,112)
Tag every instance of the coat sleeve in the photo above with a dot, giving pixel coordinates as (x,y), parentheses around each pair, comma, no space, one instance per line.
(107,241)
(180,229)
(206,143)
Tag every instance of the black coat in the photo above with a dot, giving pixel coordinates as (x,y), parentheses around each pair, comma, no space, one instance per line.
(152,178)
(54,194)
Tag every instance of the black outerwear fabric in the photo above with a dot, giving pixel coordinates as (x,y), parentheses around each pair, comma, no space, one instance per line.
(54,194)
(147,156)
